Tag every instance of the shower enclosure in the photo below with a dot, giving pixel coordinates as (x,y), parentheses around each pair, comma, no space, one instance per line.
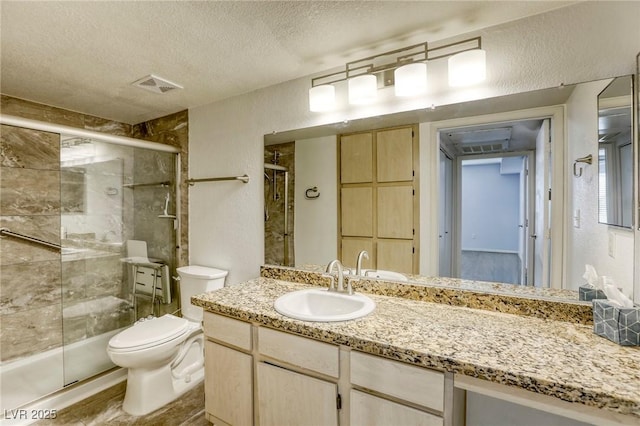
(72,202)
(278,204)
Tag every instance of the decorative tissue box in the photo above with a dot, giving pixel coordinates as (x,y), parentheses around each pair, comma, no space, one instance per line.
(620,325)
(588,293)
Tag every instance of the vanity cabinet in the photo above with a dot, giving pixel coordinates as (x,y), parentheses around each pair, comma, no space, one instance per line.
(229,385)
(257,375)
(228,365)
(286,397)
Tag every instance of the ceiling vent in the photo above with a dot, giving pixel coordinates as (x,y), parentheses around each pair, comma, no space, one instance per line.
(484,148)
(156,84)
(480,141)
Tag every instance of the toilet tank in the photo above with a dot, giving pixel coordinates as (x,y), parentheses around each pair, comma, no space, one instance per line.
(195,280)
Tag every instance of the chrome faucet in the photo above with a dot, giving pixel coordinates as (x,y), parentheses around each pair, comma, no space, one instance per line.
(362,254)
(336,263)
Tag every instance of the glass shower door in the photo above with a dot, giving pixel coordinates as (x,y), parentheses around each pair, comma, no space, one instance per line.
(111,195)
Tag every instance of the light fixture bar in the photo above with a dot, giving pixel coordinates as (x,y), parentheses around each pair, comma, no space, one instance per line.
(451,49)
(382,62)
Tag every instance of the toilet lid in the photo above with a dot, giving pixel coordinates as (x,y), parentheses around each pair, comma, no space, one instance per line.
(150,332)
(204,272)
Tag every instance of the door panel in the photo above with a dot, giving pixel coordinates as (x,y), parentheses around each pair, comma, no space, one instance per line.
(395,155)
(229,378)
(356,158)
(288,398)
(350,249)
(395,212)
(395,255)
(357,212)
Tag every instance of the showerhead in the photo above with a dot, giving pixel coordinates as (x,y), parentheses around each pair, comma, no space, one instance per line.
(266,176)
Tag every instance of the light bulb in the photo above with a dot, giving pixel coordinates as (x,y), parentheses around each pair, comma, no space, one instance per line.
(322,98)
(363,89)
(411,79)
(467,68)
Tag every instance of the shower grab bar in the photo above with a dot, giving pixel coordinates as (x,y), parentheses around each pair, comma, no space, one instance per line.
(243,178)
(9,233)
(164,184)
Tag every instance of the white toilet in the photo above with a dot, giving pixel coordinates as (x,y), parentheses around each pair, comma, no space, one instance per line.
(165,356)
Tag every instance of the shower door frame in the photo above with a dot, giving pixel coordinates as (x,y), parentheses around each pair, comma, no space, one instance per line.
(276,168)
(101,380)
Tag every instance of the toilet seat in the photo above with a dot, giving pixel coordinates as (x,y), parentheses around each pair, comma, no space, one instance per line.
(149,333)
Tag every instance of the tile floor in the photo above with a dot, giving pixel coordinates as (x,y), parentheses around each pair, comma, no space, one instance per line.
(105,408)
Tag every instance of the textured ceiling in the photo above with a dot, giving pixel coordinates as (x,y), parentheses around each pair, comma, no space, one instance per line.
(83,56)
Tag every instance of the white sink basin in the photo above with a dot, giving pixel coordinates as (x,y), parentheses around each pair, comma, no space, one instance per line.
(385,275)
(323,306)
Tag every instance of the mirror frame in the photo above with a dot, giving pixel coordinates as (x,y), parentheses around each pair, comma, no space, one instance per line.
(636,180)
(616,200)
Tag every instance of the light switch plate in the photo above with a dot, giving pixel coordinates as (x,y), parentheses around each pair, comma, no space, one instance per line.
(612,244)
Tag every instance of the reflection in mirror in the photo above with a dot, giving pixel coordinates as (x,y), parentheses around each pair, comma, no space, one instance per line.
(492,214)
(615,153)
(578,241)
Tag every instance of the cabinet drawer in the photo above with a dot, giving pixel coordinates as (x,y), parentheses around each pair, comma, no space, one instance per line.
(414,384)
(369,410)
(228,330)
(299,351)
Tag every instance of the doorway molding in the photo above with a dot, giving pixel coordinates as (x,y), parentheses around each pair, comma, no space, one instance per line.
(429,199)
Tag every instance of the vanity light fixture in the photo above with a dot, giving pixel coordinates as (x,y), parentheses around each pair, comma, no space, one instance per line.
(322,98)
(363,89)
(405,68)
(467,68)
(411,79)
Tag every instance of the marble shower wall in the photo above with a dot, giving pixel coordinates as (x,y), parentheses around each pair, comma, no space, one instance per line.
(274,204)
(35,111)
(170,130)
(30,278)
(32,285)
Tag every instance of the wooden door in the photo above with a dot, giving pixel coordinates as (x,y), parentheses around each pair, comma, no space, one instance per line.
(394,155)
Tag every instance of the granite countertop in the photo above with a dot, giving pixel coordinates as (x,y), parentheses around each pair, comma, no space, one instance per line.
(553,294)
(555,358)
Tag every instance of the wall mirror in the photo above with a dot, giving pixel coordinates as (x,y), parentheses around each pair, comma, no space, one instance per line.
(311,153)
(615,153)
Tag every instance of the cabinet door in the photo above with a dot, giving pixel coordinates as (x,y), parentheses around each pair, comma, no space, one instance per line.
(395,255)
(288,398)
(369,410)
(395,212)
(357,212)
(356,158)
(351,247)
(228,384)
(395,155)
